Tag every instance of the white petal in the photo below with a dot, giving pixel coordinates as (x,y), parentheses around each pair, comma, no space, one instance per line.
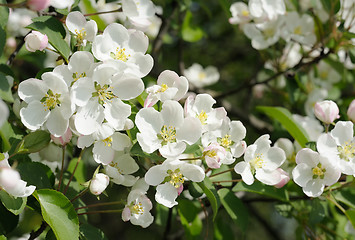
(243,168)
(148,143)
(127,86)
(166,195)
(34,115)
(307,156)
(80,61)
(302,174)
(120,141)
(126,164)
(274,158)
(91,30)
(190,131)
(171,150)
(343,132)
(268,177)
(138,41)
(56,124)
(149,121)
(192,172)
(155,175)
(314,188)
(32,89)
(116,113)
(75,21)
(172,113)
(144,62)
(102,153)
(55,82)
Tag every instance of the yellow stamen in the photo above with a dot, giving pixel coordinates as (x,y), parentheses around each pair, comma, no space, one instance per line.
(202,117)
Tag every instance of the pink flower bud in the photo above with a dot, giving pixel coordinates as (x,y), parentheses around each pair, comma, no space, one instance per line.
(284,178)
(38,5)
(351,111)
(64,139)
(326,111)
(214,154)
(36,41)
(99,183)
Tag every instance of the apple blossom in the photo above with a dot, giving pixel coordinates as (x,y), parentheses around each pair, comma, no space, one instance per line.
(139,13)
(316,95)
(99,183)
(38,5)
(299,29)
(214,155)
(83,30)
(284,178)
(326,111)
(200,77)
(61,4)
(268,10)
(263,160)
(48,103)
(200,107)
(121,168)
(138,206)
(167,130)
(124,47)
(339,145)
(314,171)
(169,178)
(64,139)
(350,112)
(240,13)
(10,179)
(36,41)
(169,87)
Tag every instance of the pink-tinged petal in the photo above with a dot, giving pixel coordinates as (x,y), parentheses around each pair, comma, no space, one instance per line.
(285,178)
(34,115)
(166,195)
(126,214)
(151,100)
(238,149)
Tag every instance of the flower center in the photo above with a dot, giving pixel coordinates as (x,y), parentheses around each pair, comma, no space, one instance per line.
(175,177)
(120,54)
(163,88)
(211,153)
(298,30)
(257,162)
(76,76)
(202,117)
(108,141)
(115,165)
(346,151)
(167,134)
(50,100)
(136,208)
(323,75)
(269,32)
(318,171)
(245,13)
(103,93)
(201,76)
(225,141)
(80,35)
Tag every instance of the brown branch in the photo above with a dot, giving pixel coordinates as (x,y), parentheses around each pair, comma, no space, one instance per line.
(34,235)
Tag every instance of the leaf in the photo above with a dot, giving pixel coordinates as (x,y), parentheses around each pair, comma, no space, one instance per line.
(4,14)
(259,188)
(136,150)
(211,193)
(188,213)
(283,116)
(80,172)
(317,212)
(222,177)
(234,207)
(2,40)
(5,88)
(34,142)
(8,221)
(189,32)
(346,196)
(350,214)
(13,204)
(59,213)
(331,6)
(88,232)
(195,190)
(35,173)
(55,32)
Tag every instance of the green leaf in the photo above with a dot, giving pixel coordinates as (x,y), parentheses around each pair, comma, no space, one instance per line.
(55,32)
(189,32)
(59,213)
(283,116)
(331,6)
(195,190)
(350,214)
(188,213)
(5,88)
(88,232)
(352,54)
(227,176)
(136,150)
(8,221)
(13,204)
(211,193)
(4,14)
(2,40)
(35,173)
(222,230)
(262,189)
(234,207)
(346,196)
(34,142)
(80,173)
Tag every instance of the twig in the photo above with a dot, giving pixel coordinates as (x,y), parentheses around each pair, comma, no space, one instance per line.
(100,204)
(102,211)
(98,13)
(34,235)
(216,174)
(72,175)
(62,169)
(80,194)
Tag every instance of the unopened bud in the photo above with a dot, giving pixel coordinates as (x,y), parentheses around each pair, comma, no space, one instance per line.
(64,139)
(38,5)
(351,111)
(326,111)
(36,41)
(99,183)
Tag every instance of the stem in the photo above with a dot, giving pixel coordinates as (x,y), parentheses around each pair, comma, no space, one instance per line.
(79,195)
(72,175)
(17,50)
(187,159)
(102,211)
(13,5)
(101,204)
(34,235)
(216,174)
(98,13)
(62,170)
(332,199)
(233,180)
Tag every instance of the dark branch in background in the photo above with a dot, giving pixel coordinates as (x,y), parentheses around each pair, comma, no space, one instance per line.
(181,64)
(13,55)
(165,25)
(34,235)
(248,84)
(168,224)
